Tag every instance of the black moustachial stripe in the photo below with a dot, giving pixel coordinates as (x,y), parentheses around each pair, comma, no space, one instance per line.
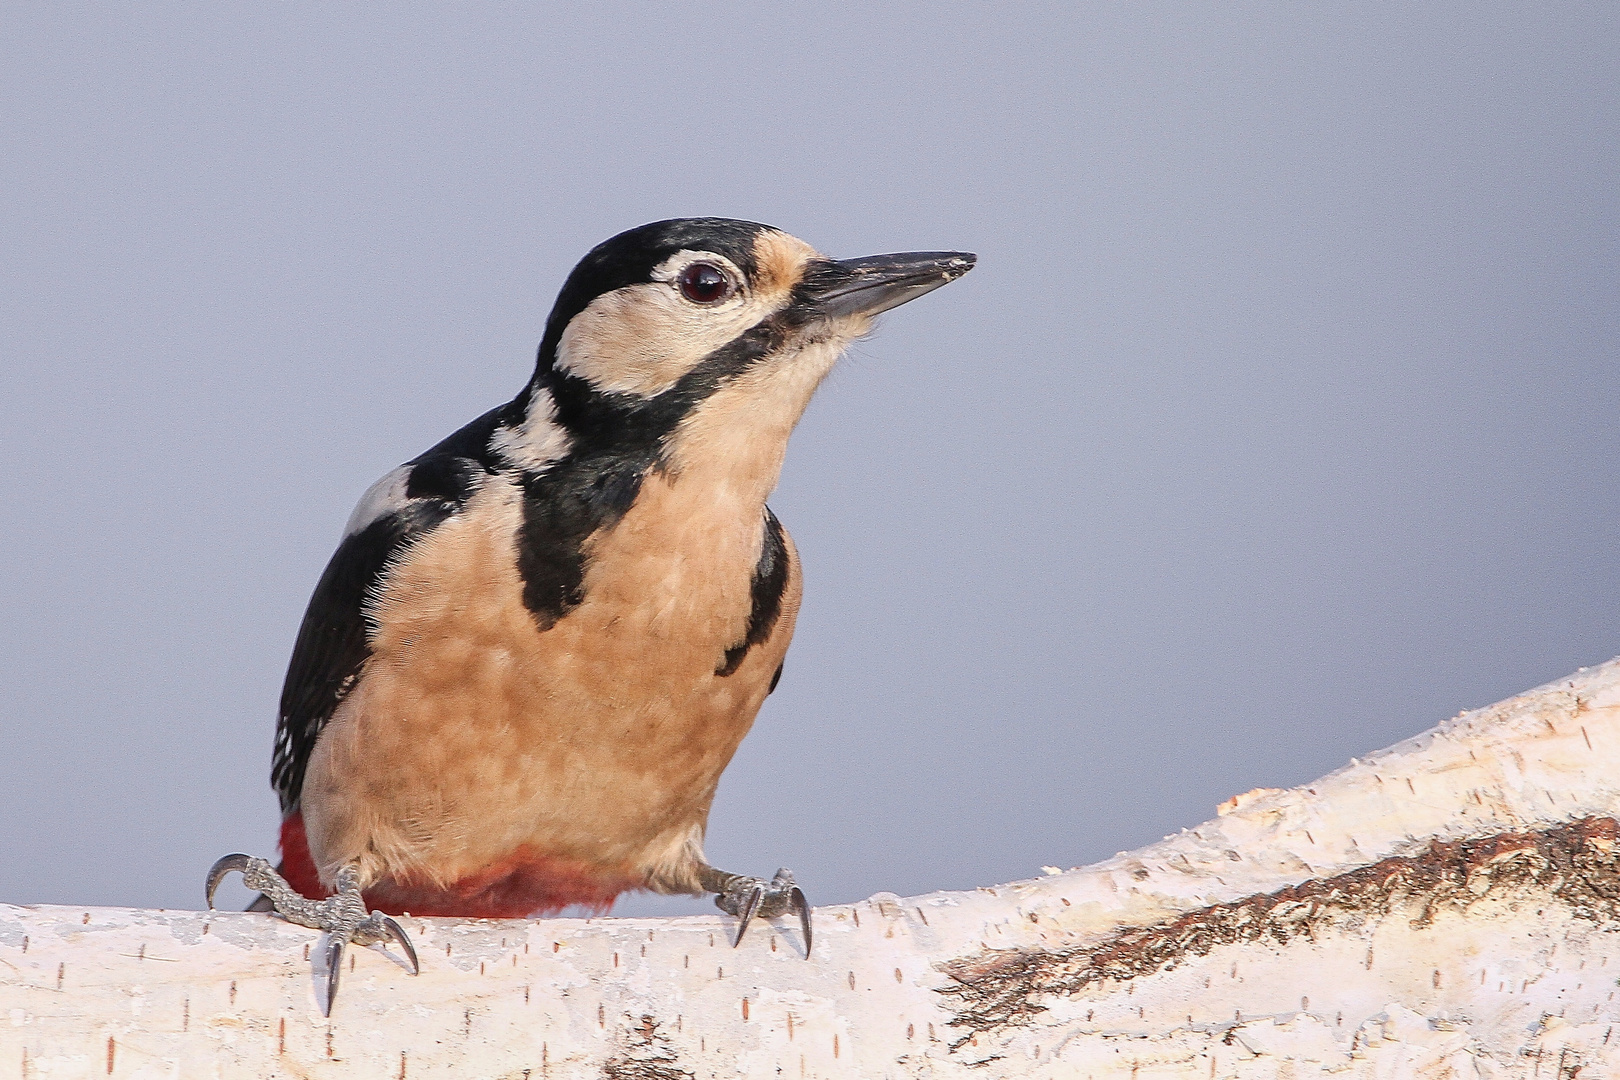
(616,440)
(770,579)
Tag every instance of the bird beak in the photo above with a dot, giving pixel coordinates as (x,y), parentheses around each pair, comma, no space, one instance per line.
(880,282)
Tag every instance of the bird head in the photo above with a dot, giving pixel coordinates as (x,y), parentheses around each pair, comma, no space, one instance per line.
(674,330)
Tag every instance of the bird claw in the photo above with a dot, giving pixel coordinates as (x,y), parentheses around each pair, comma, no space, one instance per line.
(750,906)
(747,897)
(334,968)
(798,903)
(217,872)
(343,916)
(256,873)
(397,932)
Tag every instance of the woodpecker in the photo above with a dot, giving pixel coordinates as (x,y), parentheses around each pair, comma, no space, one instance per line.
(540,642)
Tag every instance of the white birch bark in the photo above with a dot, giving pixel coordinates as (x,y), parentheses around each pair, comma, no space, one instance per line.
(1445,908)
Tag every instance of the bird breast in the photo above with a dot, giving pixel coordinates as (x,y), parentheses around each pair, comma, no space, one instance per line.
(473,734)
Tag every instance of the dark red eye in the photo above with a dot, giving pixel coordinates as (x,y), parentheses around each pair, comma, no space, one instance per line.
(705,283)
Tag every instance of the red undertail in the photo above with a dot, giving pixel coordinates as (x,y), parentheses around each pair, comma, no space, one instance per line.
(522,884)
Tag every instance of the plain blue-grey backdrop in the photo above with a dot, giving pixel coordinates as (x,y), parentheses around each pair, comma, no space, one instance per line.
(1280,419)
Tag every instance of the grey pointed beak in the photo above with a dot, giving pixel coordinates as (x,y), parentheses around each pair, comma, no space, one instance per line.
(880,282)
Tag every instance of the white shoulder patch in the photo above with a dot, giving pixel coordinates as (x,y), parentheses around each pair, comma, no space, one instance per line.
(538,440)
(385,496)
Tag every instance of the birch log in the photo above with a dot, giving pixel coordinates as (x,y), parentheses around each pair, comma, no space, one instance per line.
(1445,908)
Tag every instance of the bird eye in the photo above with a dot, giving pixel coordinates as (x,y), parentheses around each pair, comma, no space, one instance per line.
(705,283)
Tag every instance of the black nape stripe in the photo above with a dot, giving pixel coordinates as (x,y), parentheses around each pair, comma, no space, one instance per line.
(449,472)
(446,479)
(770,579)
(472,441)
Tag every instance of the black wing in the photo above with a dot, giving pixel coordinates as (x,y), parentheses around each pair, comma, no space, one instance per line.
(334,641)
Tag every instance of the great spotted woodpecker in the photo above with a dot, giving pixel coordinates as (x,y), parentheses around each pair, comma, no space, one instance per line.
(540,642)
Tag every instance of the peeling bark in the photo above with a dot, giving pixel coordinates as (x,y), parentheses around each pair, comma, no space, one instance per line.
(1446,908)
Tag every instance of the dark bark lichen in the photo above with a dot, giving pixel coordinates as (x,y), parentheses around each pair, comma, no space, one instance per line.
(1576,865)
(646,1054)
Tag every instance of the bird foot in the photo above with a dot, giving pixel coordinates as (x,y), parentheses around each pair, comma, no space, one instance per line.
(746,897)
(343,916)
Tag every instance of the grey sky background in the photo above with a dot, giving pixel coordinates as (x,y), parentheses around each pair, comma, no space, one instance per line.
(1278,421)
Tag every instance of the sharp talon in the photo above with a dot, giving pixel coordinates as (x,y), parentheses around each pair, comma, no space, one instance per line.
(397,932)
(334,966)
(342,916)
(756,896)
(798,903)
(217,872)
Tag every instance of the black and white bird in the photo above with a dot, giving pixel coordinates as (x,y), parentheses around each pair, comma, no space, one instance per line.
(540,642)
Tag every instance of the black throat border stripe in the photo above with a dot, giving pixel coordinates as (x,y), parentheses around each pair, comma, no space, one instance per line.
(617,440)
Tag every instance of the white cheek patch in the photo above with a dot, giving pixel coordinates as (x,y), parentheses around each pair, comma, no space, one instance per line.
(642,338)
(383,497)
(538,441)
